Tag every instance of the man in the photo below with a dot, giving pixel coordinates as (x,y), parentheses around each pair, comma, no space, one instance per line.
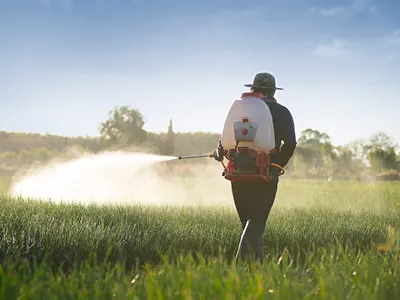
(254,200)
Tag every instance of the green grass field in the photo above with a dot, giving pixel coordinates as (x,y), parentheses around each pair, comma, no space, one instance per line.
(321,242)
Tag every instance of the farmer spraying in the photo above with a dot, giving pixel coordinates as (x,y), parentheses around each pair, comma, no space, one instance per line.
(254,130)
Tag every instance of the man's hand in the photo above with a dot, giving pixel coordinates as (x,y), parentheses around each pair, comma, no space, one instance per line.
(216,156)
(219,154)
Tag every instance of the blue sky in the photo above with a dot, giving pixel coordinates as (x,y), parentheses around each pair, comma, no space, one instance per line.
(65,63)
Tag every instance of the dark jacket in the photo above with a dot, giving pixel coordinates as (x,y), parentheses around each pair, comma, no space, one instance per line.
(284,132)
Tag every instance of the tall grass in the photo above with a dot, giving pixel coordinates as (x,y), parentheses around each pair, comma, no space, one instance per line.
(321,243)
(328,273)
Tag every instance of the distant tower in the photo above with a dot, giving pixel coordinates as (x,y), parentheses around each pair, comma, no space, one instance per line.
(170,140)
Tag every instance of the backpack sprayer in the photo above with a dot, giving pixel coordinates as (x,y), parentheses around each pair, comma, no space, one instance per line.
(248,154)
(241,167)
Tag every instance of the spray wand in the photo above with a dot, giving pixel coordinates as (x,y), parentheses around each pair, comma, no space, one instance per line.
(196,156)
(211,155)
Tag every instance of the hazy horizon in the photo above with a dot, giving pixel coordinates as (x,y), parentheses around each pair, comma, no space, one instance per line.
(65,64)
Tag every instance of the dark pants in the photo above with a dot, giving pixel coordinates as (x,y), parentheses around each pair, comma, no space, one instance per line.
(253,201)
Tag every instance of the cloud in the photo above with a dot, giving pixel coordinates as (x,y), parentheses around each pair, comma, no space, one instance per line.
(391,57)
(393,38)
(71,3)
(335,49)
(332,11)
(67,4)
(363,6)
(356,6)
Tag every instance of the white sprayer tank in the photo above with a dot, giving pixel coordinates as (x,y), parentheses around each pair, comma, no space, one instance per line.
(250,107)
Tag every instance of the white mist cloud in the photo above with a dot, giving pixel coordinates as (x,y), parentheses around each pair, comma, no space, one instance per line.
(125,178)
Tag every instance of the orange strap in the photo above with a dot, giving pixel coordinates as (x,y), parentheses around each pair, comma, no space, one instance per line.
(279,167)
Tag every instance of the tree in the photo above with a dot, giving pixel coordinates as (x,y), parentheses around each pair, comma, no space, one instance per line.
(316,151)
(123,127)
(381,152)
(347,164)
(170,141)
(381,140)
(359,149)
(311,137)
(383,159)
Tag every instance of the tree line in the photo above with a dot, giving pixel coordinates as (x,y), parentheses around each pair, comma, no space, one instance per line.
(315,155)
